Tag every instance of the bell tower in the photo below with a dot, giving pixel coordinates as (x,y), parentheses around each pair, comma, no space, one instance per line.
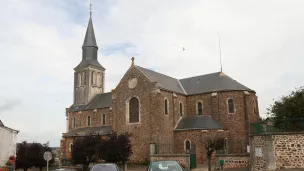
(89,74)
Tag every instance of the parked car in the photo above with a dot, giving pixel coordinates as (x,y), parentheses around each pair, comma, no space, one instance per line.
(64,169)
(105,167)
(164,166)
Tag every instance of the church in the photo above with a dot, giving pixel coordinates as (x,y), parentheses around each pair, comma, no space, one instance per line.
(157,108)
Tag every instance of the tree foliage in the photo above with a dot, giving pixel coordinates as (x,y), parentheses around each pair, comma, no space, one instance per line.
(91,148)
(22,160)
(85,150)
(117,148)
(288,106)
(31,155)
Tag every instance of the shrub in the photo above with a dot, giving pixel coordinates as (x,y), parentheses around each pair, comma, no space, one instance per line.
(8,163)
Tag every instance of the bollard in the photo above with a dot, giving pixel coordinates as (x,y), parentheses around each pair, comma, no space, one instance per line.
(222,164)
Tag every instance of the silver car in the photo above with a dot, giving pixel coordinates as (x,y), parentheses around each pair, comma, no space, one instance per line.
(164,166)
(105,167)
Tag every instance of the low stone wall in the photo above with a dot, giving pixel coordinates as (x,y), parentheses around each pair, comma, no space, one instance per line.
(233,160)
(182,159)
(278,151)
(289,151)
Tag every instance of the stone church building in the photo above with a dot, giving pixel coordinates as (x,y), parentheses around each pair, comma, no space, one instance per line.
(157,108)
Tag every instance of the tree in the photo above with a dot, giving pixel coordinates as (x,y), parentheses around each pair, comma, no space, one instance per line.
(117,148)
(31,155)
(22,160)
(35,155)
(36,152)
(212,143)
(288,106)
(85,150)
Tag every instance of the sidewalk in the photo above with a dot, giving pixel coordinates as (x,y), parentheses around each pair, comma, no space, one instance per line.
(204,167)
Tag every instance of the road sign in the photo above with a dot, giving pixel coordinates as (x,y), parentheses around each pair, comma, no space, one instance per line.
(47,156)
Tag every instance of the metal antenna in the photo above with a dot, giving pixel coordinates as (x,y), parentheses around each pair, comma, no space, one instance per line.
(90,8)
(218,34)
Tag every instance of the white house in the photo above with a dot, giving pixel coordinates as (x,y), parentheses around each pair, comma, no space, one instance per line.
(8,141)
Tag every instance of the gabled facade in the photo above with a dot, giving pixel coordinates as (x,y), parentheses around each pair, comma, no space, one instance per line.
(157,108)
(8,143)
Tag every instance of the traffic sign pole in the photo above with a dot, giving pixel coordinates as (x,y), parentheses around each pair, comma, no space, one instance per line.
(47,156)
(47,165)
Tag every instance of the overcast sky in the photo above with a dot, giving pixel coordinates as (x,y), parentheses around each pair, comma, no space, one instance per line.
(262,45)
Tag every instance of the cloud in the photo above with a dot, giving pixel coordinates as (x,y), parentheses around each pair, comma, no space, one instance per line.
(40,44)
(9,104)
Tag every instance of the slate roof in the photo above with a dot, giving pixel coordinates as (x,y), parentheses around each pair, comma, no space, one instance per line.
(87,62)
(211,83)
(100,130)
(208,83)
(198,123)
(7,128)
(89,49)
(163,81)
(99,101)
(194,85)
(89,39)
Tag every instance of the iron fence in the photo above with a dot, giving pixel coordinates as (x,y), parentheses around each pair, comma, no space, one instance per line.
(277,126)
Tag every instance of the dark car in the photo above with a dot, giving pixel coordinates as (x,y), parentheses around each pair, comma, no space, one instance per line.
(164,166)
(105,167)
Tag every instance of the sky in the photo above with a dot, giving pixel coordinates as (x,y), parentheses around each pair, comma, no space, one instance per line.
(262,45)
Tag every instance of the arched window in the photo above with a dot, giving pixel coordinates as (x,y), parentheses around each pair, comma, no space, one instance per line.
(187,146)
(181,109)
(254,106)
(89,120)
(79,79)
(199,108)
(98,82)
(92,78)
(103,119)
(166,106)
(133,110)
(74,122)
(231,106)
(83,78)
(71,147)
(102,77)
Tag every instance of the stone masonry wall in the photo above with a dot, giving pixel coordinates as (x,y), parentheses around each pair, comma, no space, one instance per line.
(196,137)
(64,147)
(96,118)
(237,123)
(231,161)
(141,132)
(259,163)
(289,151)
(81,121)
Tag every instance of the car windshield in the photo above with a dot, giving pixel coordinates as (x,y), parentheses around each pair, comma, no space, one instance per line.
(104,167)
(165,166)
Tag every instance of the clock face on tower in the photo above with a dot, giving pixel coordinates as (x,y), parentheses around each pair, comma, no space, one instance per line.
(132,83)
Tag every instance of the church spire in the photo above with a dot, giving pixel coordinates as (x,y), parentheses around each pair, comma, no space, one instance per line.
(90,40)
(89,47)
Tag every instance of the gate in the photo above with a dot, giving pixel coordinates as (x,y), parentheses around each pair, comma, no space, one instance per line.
(192,161)
(192,156)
